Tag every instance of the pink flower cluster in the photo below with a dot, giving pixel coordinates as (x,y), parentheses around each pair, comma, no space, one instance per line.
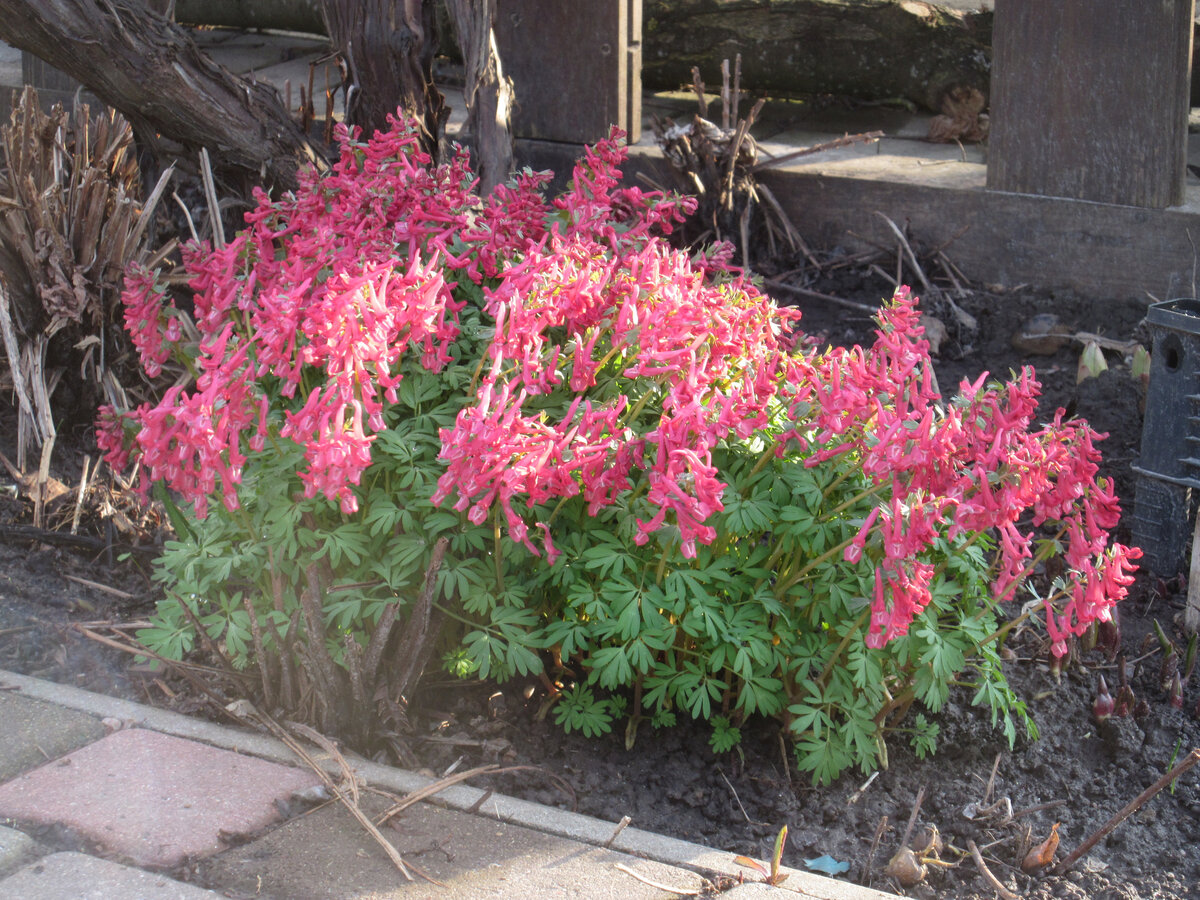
(152,324)
(322,293)
(603,296)
(617,363)
(973,465)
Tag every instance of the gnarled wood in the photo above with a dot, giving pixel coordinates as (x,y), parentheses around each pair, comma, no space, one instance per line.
(487,91)
(140,63)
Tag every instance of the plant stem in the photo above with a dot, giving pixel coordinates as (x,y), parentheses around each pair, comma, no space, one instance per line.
(829,554)
(498,549)
(633,413)
(859,497)
(764,458)
(823,680)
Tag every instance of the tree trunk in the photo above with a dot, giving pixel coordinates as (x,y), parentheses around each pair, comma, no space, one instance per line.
(387,49)
(140,63)
(866,49)
(488,93)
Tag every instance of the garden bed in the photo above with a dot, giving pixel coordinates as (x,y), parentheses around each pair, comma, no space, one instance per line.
(1077,774)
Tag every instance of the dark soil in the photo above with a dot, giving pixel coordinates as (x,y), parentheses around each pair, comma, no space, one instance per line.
(1076,774)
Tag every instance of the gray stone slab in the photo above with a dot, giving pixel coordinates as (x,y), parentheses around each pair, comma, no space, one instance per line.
(79,877)
(754,890)
(151,798)
(16,849)
(35,733)
(320,854)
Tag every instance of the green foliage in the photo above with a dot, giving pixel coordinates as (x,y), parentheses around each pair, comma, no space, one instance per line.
(725,735)
(579,710)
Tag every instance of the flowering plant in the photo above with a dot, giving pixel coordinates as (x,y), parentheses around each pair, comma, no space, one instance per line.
(650,484)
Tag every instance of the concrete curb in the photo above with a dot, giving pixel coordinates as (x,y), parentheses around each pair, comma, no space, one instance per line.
(574,826)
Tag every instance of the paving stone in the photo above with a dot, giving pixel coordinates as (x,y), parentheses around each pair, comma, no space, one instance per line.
(16,849)
(80,877)
(322,854)
(35,733)
(152,798)
(754,890)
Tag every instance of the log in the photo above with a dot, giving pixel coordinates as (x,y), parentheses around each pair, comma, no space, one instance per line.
(149,69)
(672,64)
(869,50)
(284,15)
(865,49)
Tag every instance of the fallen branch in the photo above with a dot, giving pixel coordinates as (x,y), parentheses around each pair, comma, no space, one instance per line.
(1128,810)
(21,533)
(867,137)
(736,798)
(625,820)
(817,295)
(912,818)
(245,710)
(437,787)
(908,251)
(869,862)
(102,588)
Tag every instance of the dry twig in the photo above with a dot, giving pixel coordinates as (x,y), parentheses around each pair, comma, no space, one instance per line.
(245,710)
(817,295)
(1128,810)
(991,879)
(658,885)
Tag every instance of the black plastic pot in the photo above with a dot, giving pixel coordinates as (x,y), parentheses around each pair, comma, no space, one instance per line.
(1169,466)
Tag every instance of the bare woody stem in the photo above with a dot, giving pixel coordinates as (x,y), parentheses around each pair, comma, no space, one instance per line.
(1128,810)
(384,629)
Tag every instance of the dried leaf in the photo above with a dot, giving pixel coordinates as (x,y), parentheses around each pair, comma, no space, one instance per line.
(1043,335)
(753,864)
(906,868)
(1041,855)
(962,118)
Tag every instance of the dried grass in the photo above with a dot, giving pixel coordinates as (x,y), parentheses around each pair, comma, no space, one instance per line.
(71,219)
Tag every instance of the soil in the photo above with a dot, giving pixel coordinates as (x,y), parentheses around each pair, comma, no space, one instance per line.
(1077,774)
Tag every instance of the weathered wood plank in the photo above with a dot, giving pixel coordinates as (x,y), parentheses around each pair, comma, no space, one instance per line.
(1090,99)
(576,67)
(1117,252)
(1114,251)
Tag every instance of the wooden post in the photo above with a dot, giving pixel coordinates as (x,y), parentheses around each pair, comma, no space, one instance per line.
(1090,99)
(575,67)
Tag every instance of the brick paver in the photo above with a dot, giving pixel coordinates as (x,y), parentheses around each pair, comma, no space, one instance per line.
(152,798)
(79,877)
